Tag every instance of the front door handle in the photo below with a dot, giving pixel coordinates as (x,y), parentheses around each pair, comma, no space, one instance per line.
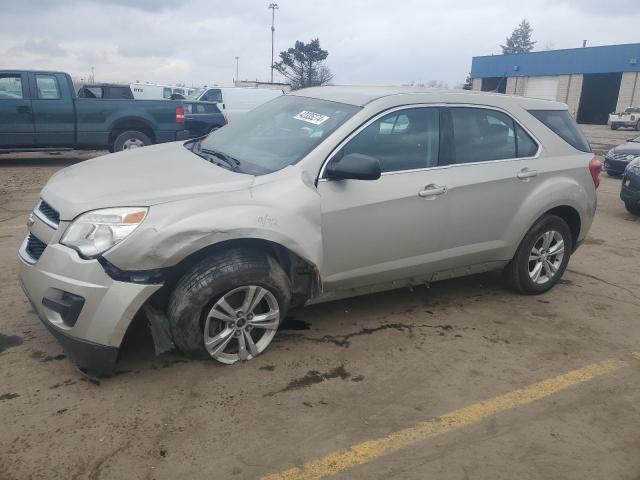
(432,191)
(526,174)
(23,109)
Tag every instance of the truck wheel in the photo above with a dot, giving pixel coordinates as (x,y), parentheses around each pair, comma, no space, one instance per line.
(632,207)
(129,140)
(614,127)
(638,126)
(229,306)
(542,256)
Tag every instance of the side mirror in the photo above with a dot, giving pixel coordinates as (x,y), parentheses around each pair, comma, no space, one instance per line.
(354,166)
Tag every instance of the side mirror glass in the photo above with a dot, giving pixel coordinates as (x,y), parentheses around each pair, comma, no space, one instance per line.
(353,166)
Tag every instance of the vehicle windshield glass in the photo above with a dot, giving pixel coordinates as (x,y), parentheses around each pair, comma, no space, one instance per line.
(196,93)
(278,133)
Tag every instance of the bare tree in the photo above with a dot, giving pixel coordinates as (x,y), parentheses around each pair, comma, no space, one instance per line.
(303,65)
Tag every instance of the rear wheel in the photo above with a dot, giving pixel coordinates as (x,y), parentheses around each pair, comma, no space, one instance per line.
(229,306)
(542,257)
(633,208)
(129,140)
(614,127)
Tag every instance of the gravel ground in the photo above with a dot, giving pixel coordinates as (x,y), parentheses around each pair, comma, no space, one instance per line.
(339,374)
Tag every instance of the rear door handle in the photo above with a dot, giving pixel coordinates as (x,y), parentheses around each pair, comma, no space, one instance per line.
(432,191)
(23,109)
(526,174)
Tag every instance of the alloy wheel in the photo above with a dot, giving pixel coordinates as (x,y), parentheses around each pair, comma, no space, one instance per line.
(546,257)
(241,324)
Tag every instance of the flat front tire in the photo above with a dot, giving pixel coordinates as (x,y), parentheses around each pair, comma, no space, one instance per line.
(542,256)
(229,306)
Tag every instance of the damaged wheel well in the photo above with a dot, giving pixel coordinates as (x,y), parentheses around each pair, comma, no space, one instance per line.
(304,276)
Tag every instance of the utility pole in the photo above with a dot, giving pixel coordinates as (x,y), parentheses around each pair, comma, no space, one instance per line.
(237,77)
(93,76)
(273,7)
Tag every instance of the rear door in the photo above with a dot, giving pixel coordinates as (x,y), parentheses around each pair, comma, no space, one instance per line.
(16,116)
(492,168)
(53,110)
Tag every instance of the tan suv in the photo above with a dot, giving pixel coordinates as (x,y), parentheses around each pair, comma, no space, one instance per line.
(323,193)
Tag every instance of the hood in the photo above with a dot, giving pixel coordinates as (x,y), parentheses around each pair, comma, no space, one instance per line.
(141,177)
(632,148)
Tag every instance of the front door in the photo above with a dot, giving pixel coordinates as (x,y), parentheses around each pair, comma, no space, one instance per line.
(389,229)
(16,116)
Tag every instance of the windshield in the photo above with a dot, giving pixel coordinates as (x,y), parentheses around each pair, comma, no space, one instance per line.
(196,94)
(278,133)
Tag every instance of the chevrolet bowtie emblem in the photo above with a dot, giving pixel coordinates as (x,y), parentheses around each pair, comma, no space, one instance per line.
(31,220)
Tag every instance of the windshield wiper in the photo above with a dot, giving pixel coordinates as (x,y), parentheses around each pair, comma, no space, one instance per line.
(233,163)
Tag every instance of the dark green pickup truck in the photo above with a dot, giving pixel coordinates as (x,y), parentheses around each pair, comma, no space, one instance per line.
(40,111)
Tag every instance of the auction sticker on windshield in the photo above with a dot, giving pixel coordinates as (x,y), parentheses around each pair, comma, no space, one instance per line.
(311,117)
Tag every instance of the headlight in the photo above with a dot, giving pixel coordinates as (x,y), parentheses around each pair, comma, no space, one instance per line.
(95,232)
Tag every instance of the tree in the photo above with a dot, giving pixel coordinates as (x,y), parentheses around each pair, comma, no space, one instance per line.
(303,65)
(520,40)
(468,83)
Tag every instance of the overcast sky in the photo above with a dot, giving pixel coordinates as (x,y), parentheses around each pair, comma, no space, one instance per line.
(369,41)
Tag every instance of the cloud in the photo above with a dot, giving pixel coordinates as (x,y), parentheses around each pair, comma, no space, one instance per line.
(44,47)
(369,41)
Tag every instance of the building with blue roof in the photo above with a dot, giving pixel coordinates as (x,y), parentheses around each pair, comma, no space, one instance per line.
(593,81)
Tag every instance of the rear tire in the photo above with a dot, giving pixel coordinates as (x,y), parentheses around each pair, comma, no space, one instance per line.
(129,140)
(632,208)
(614,127)
(207,303)
(541,258)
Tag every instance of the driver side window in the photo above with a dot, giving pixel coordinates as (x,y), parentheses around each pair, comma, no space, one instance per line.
(402,140)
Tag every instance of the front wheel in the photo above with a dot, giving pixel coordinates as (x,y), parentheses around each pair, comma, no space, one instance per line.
(542,256)
(229,306)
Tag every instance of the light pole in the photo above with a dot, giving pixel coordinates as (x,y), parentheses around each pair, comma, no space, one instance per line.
(237,77)
(273,7)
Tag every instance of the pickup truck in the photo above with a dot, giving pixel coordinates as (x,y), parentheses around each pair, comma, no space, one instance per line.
(39,110)
(629,118)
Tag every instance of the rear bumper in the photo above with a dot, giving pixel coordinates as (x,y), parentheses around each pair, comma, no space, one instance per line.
(90,331)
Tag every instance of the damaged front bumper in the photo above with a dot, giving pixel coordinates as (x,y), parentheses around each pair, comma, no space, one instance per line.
(82,306)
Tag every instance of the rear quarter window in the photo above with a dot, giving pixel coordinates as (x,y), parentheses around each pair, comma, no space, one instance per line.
(563,125)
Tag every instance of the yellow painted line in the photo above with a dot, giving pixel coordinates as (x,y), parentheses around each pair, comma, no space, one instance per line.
(370,450)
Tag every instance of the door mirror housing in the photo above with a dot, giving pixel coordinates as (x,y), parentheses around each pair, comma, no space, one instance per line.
(354,166)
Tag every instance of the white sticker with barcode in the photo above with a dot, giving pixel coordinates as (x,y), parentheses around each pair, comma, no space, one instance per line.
(311,117)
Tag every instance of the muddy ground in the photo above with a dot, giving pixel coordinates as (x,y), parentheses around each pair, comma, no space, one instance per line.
(339,374)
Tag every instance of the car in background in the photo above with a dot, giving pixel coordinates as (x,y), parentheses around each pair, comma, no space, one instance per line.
(630,118)
(630,190)
(202,118)
(317,195)
(107,91)
(617,159)
(154,91)
(39,110)
(235,101)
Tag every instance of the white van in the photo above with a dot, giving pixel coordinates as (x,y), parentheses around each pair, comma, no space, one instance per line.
(235,101)
(153,91)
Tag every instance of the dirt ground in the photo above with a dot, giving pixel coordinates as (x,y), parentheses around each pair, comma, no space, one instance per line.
(342,373)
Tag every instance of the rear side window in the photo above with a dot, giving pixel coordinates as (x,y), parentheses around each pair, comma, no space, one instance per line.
(561,123)
(10,87)
(47,86)
(481,135)
(525,145)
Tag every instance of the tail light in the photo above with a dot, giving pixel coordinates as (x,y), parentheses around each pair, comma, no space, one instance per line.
(180,115)
(595,167)
(226,120)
